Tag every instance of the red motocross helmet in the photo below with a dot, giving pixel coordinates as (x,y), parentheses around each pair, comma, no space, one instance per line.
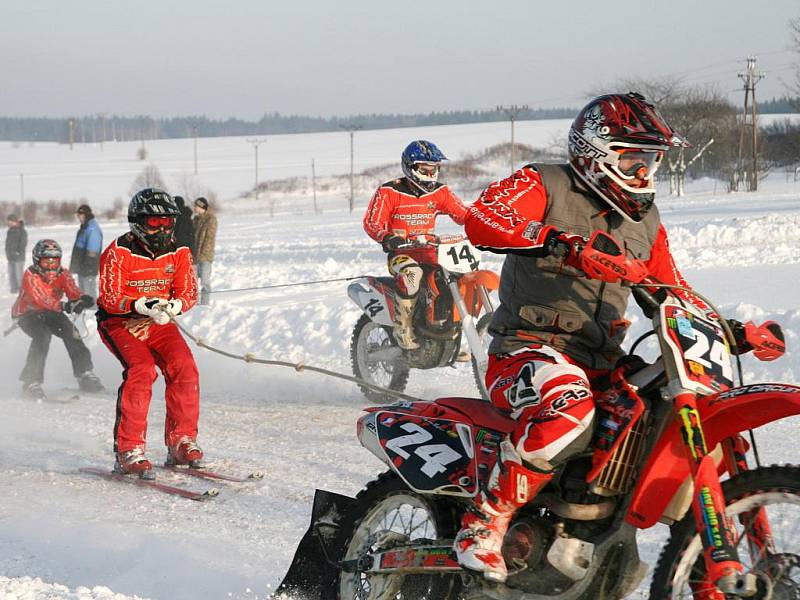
(616,145)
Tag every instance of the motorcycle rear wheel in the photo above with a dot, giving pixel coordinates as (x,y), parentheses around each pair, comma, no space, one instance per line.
(777,488)
(392,374)
(388,505)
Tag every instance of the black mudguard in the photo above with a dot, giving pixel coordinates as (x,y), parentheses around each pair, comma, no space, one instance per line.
(313,569)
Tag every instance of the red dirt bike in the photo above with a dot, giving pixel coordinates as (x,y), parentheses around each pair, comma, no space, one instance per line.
(454,303)
(666,434)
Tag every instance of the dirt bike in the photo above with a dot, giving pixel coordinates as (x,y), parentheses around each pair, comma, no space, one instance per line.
(666,434)
(454,303)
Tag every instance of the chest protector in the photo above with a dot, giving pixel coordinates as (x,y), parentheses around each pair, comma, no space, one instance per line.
(545,301)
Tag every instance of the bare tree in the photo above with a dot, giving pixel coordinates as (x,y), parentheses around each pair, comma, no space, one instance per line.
(150,177)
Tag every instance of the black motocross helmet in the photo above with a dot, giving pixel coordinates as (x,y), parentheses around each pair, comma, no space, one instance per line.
(47,258)
(151,214)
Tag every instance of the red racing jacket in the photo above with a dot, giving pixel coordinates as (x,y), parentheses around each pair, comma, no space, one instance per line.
(400,208)
(509,215)
(128,271)
(37,294)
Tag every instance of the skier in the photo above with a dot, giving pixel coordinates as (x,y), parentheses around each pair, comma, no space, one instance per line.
(556,330)
(39,312)
(401,209)
(144,278)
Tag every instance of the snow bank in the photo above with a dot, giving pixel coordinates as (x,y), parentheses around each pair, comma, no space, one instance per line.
(28,588)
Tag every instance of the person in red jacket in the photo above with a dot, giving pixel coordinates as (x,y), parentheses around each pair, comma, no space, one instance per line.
(144,279)
(402,209)
(39,312)
(555,329)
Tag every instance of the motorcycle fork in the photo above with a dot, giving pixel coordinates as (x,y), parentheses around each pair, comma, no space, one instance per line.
(723,568)
(468,327)
(755,523)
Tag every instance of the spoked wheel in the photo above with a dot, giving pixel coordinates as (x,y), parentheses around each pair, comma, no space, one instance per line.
(386,513)
(681,571)
(377,359)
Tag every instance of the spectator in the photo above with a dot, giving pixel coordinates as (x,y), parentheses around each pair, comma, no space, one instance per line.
(184,228)
(16,241)
(205,236)
(85,259)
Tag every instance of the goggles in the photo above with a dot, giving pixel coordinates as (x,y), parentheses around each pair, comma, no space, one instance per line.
(159,222)
(430,170)
(49,263)
(639,164)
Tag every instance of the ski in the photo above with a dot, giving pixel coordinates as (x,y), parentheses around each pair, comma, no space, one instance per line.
(161,487)
(204,473)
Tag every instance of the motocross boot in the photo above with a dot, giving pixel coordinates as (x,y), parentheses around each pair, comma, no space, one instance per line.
(185,452)
(403,323)
(479,544)
(134,462)
(89,382)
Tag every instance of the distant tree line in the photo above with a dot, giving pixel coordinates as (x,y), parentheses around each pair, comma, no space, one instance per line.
(96,128)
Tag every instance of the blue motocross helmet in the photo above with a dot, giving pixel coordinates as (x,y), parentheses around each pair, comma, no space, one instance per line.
(420,162)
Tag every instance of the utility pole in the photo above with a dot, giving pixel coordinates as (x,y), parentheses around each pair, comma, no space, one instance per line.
(22,192)
(511,112)
(750,78)
(194,133)
(351,129)
(103,130)
(314,185)
(256,142)
(71,133)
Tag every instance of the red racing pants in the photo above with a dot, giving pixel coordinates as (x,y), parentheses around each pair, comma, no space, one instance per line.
(549,396)
(140,350)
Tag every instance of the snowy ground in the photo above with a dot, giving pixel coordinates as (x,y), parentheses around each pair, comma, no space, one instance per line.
(65,535)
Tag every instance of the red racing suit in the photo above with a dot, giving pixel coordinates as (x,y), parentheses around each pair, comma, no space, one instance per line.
(536,370)
(38,294)
(398,207)
(129,271)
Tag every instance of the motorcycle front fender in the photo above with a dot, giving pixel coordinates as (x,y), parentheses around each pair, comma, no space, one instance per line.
(722,415)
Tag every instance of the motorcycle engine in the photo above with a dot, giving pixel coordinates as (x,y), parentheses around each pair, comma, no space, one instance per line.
(524,550)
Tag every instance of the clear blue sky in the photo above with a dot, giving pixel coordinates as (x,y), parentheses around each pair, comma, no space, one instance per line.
(324,57)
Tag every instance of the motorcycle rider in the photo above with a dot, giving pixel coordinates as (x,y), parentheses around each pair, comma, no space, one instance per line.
(555,330)
(401,209)
(143,274)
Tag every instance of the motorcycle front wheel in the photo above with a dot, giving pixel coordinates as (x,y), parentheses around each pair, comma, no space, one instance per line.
(387,508)
(680,572)
(377,359)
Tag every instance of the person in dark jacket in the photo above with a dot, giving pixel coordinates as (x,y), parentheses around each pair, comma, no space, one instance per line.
(16,241)
(184,227)
(85,258)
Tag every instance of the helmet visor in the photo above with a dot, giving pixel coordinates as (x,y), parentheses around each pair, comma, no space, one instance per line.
(155,223)
(633,163)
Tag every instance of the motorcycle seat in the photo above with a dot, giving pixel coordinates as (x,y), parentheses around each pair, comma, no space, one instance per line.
(482,413)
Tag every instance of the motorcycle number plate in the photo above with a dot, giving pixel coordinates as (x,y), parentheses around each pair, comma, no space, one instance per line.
(431,455)
(458,257)
(698,347)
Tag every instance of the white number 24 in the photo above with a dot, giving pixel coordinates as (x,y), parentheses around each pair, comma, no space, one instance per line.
(436,456)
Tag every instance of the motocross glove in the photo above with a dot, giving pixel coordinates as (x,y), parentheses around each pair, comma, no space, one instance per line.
(566,246)
(392,242)
(175,307)
(153,308)
(766,340)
